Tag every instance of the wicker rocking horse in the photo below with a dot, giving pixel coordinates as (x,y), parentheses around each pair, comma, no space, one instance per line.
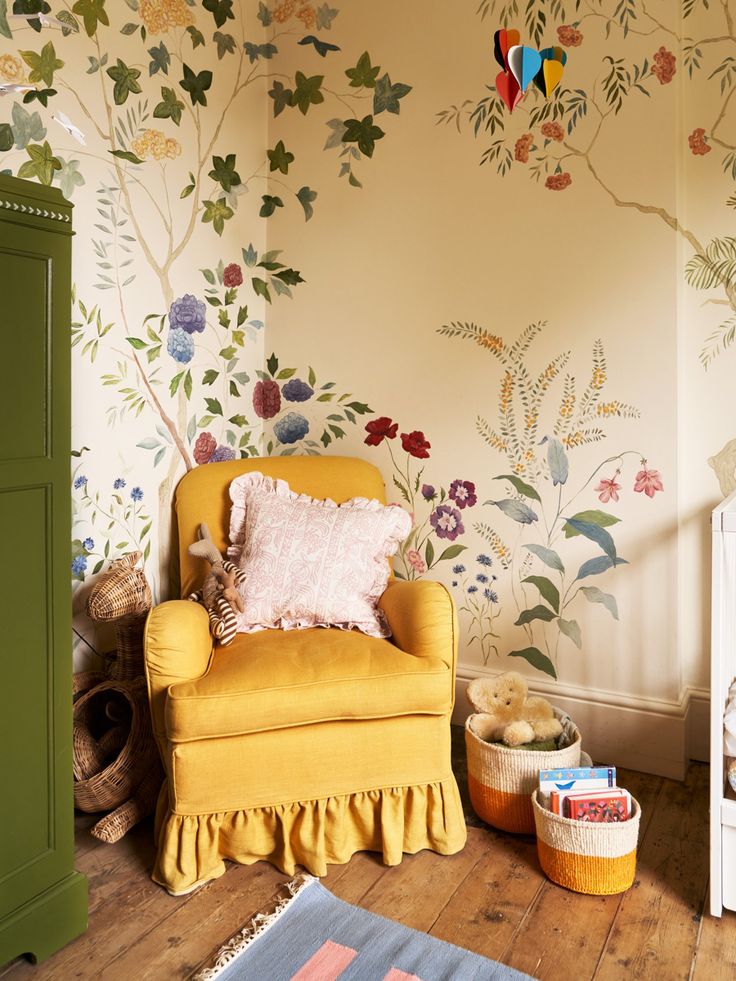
(116,763)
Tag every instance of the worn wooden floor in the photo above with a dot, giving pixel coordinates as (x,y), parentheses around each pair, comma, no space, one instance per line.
(491,898)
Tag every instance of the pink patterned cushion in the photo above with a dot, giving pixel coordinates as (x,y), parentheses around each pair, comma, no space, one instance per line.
(311,563)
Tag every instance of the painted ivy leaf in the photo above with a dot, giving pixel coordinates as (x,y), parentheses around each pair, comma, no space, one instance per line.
(291,277)
(595,595)
(307,91)
(160,59)
(92,13)
(321,47)
(6,137)
(126,81)
(325,16)
(364,74)
(170,107)
(225,43)
(40,95)
(364,133)
(306,196)
(280,158)
(42,163)
(535,613)
(387,94)
(264,14)
(96,64)
(537,660)
(548,556)
(224,172)
(273,364)
(196,85)
(126,155)
(515,509)
(282,97)
(547,590)
(42,65)
(196,36)
(518,484)
(282,290)
(250,256)
(218,213)
(27,127)
(270,204)
(594,567)
(336,136)
(596,534)
(557,461)
(256,51)
(4,26)
(69,23)
(260,287)
(571,629)
(221,10)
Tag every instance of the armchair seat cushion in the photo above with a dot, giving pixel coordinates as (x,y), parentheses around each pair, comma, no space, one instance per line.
(275,679)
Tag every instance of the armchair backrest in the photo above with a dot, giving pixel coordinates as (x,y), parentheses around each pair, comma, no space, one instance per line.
(203,495)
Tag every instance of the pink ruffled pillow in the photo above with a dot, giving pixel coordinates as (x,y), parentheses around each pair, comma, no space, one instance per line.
(311,563)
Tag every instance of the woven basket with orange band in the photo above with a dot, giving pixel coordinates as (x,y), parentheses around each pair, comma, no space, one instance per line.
(597,859)
(501,779)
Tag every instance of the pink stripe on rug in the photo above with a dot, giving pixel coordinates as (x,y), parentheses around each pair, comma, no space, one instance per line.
(328,963)
(396,975)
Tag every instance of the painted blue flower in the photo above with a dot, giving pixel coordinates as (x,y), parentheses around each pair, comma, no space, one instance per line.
(291,428)
(454,582)
(188,313)
(485,560)
(180,346)
(297,390)
(222,453)
(137,494)
(80,482)
(472,589)
(88,544)
(481,577)
(119,482)
(490,595)
(458,569)
(79,565)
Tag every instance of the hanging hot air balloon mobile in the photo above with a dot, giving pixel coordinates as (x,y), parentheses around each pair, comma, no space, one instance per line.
(523,65)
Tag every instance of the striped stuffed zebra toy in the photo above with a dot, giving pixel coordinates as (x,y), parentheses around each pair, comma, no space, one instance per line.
(219,594)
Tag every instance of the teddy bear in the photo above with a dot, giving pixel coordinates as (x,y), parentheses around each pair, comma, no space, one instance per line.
(219,594)
(507,714)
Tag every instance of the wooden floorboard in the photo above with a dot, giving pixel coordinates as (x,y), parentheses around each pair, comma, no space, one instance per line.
(491,898)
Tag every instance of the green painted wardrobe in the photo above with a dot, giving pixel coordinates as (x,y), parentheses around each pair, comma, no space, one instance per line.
(43,901)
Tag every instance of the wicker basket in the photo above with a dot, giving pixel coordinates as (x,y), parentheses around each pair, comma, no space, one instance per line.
(597,859)
(501,780)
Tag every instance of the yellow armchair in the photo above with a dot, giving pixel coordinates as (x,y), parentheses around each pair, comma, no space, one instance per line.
(299,747)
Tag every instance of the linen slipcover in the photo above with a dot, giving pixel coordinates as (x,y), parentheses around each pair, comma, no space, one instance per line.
(299,747)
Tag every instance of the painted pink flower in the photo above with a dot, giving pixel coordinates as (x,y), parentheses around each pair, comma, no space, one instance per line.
(462,492)
(266,399)
(558,182)
(204,448)
(569,36)
(233,275)
(447,522)
(665,65)
(607,490)
(649,481)
(416,561)
(697,142)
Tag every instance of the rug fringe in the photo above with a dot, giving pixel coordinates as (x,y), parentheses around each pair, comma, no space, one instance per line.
(257,926)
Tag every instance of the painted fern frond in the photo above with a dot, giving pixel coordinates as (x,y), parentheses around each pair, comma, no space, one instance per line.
(717,267)
(721,338)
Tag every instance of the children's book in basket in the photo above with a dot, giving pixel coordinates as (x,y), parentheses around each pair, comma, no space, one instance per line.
(587,794)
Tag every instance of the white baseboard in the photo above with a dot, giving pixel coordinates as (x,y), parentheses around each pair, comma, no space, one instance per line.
(652,735)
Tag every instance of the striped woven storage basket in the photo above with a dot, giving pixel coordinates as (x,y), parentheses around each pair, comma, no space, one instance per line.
(501,780)
(597,859)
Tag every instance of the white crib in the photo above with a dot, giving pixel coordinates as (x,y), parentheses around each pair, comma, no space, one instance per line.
(723,673)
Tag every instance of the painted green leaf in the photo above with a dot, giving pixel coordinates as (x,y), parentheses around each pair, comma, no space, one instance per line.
(213,406)
(225,43)
(364,133)
(239,421)
(210,376)
(595,595)
(170,107)
(42,163)
(42,65)
(429,554)
(279,158)
(593,517)
(160,59)
(535,613)
(325,16)
(596,534)
(92,13)
(126,155)
(256,51)
(69,179)
(218,212)
(69,23)
(6,137)
(337,127)
(270,204)
(521,486)
(224,172)
(515,509)
(228,353)
(261,288)
(126,81)
(174,383)
(306,196)
(264,14)
(548,556)
(571,629)
(307,91)
(136,342)
(221,10)
(557,461)
(547,590)
(364,74)
(291,277)
(594,567)
(272,364)
(537,660)
(451,552)
(250,256)
(387,94)
(196,35)
(4,26)
(27,127)
(40,95)
(196,84)
(282,97)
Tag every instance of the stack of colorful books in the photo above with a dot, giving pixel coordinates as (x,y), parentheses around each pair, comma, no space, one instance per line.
(585,793)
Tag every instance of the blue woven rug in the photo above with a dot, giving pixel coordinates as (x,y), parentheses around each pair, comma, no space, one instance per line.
(313,936)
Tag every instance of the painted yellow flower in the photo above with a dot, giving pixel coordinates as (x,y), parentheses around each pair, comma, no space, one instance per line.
(566,407)
(11,68)
(284,11)
(507,387)
(491,342)
(161,16)
(598,379)
(153,143)
(307,16)
(608,409)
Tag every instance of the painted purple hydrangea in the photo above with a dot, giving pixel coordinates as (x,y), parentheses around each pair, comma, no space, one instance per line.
(297,390)
(291,428)
(79,565)
(180,346)
(447,522)
(188,313)
(222,453)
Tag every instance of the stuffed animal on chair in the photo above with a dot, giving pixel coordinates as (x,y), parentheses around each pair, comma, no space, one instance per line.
(218,594)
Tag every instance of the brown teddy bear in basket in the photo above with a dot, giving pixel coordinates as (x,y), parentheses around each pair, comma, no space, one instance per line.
(507,714)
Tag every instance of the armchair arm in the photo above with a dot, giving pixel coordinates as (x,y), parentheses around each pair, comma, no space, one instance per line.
(422,618)
(177,644)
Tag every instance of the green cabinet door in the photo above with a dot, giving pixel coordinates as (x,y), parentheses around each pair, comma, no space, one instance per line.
(42,899)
